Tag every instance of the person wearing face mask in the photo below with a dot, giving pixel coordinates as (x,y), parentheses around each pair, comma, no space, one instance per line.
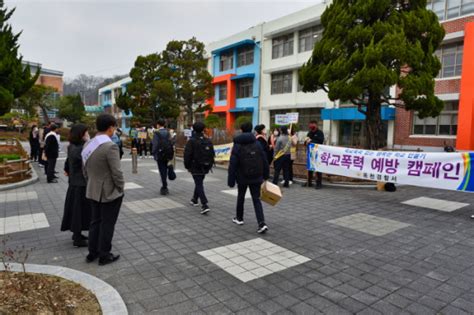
(77,209)
(272,142)
(261,139)
(314,136)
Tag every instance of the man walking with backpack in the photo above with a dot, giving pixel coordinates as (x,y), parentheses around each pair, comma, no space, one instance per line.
(198,160)
(249,168)
(163,152)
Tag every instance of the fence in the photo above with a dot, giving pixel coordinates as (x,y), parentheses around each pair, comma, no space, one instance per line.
(12,171)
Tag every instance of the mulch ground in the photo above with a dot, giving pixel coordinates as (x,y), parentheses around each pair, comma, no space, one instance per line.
(29,293)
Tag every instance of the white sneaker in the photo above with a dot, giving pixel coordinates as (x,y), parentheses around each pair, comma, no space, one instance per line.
(472,216)
(291,182)
(237,221)
(193,203)
(262,229)
(282,182)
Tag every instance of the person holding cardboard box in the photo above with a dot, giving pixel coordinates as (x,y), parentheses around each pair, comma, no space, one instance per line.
(248,168)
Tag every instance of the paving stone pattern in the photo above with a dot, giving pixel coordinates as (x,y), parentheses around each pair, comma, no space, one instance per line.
(369,224)
(424,268)
(436,204)
(253,259)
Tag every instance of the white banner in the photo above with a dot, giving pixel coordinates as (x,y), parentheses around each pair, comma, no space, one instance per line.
(441,170)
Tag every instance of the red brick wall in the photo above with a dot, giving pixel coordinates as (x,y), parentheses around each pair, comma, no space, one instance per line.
(457,25)
(52,81)
(448,86)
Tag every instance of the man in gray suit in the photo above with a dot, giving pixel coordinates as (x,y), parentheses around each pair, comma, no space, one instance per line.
(105,186)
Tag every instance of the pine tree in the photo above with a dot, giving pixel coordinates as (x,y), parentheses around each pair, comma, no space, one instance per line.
(15,79)
(368,46)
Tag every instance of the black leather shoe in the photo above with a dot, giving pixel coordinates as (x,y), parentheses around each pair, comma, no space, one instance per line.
(108,259)
(53,181)
(318,186)
(80,243)
(90,258)
(307,185)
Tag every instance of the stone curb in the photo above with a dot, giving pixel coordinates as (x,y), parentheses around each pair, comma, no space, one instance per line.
(34,178)
(109,299)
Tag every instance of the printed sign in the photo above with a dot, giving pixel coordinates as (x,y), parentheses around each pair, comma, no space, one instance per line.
(142,135)
(441,170)
(281,120)
(188,133)
(223,152)
(293,118)
(286,119)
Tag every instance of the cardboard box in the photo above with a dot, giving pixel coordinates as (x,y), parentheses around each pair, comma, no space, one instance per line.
(270,193)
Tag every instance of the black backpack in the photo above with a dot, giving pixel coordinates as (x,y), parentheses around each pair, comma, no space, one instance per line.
(204,154)
(251,161)
(164,151)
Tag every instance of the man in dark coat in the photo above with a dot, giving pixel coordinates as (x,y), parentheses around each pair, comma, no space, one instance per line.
(315,135)
(248,168)
(162,153)
(51,150)
(198,160)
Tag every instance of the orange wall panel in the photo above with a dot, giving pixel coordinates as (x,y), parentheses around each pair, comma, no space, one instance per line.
(465,136)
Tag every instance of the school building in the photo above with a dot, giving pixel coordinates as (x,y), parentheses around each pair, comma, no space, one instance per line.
(107,100)
(235,64)
(454,85)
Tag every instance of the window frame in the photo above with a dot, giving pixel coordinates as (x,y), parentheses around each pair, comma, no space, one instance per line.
(245,56)
(278,83)
(244,88)
(453,126)
(222,88)
(443,53)
(465,7)
(283,46)
(226,59)
(311,34)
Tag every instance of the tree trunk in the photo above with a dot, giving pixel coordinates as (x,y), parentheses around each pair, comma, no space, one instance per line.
(189,115)
(45,114)
(373,125)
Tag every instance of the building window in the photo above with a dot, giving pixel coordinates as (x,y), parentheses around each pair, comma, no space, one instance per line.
(449,9)
(222,92)
(308,37)
(282,46)
(244,88)
(451,60)
(245,56)
(226,61)
(446,124)
(282,83)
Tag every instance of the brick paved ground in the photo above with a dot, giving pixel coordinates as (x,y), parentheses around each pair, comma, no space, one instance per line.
(334,251)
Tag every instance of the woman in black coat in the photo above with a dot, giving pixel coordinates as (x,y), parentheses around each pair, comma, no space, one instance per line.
(34,143)
(77,210)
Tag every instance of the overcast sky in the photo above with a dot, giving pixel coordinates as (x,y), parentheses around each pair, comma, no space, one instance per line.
(103,37)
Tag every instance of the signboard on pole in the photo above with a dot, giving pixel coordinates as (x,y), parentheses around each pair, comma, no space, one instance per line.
(281,119)
(293,118)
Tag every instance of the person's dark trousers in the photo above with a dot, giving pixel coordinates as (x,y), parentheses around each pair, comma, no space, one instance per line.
(163,169)
(50,166)
(101,230)
(283,163)
(199,189)
(319,178)
(291,170)
(144,148)
(34,151)
(257,203)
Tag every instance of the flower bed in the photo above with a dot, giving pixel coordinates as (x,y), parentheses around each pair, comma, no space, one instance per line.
(31,293)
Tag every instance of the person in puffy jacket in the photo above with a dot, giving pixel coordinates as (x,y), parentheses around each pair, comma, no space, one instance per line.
(248,168)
